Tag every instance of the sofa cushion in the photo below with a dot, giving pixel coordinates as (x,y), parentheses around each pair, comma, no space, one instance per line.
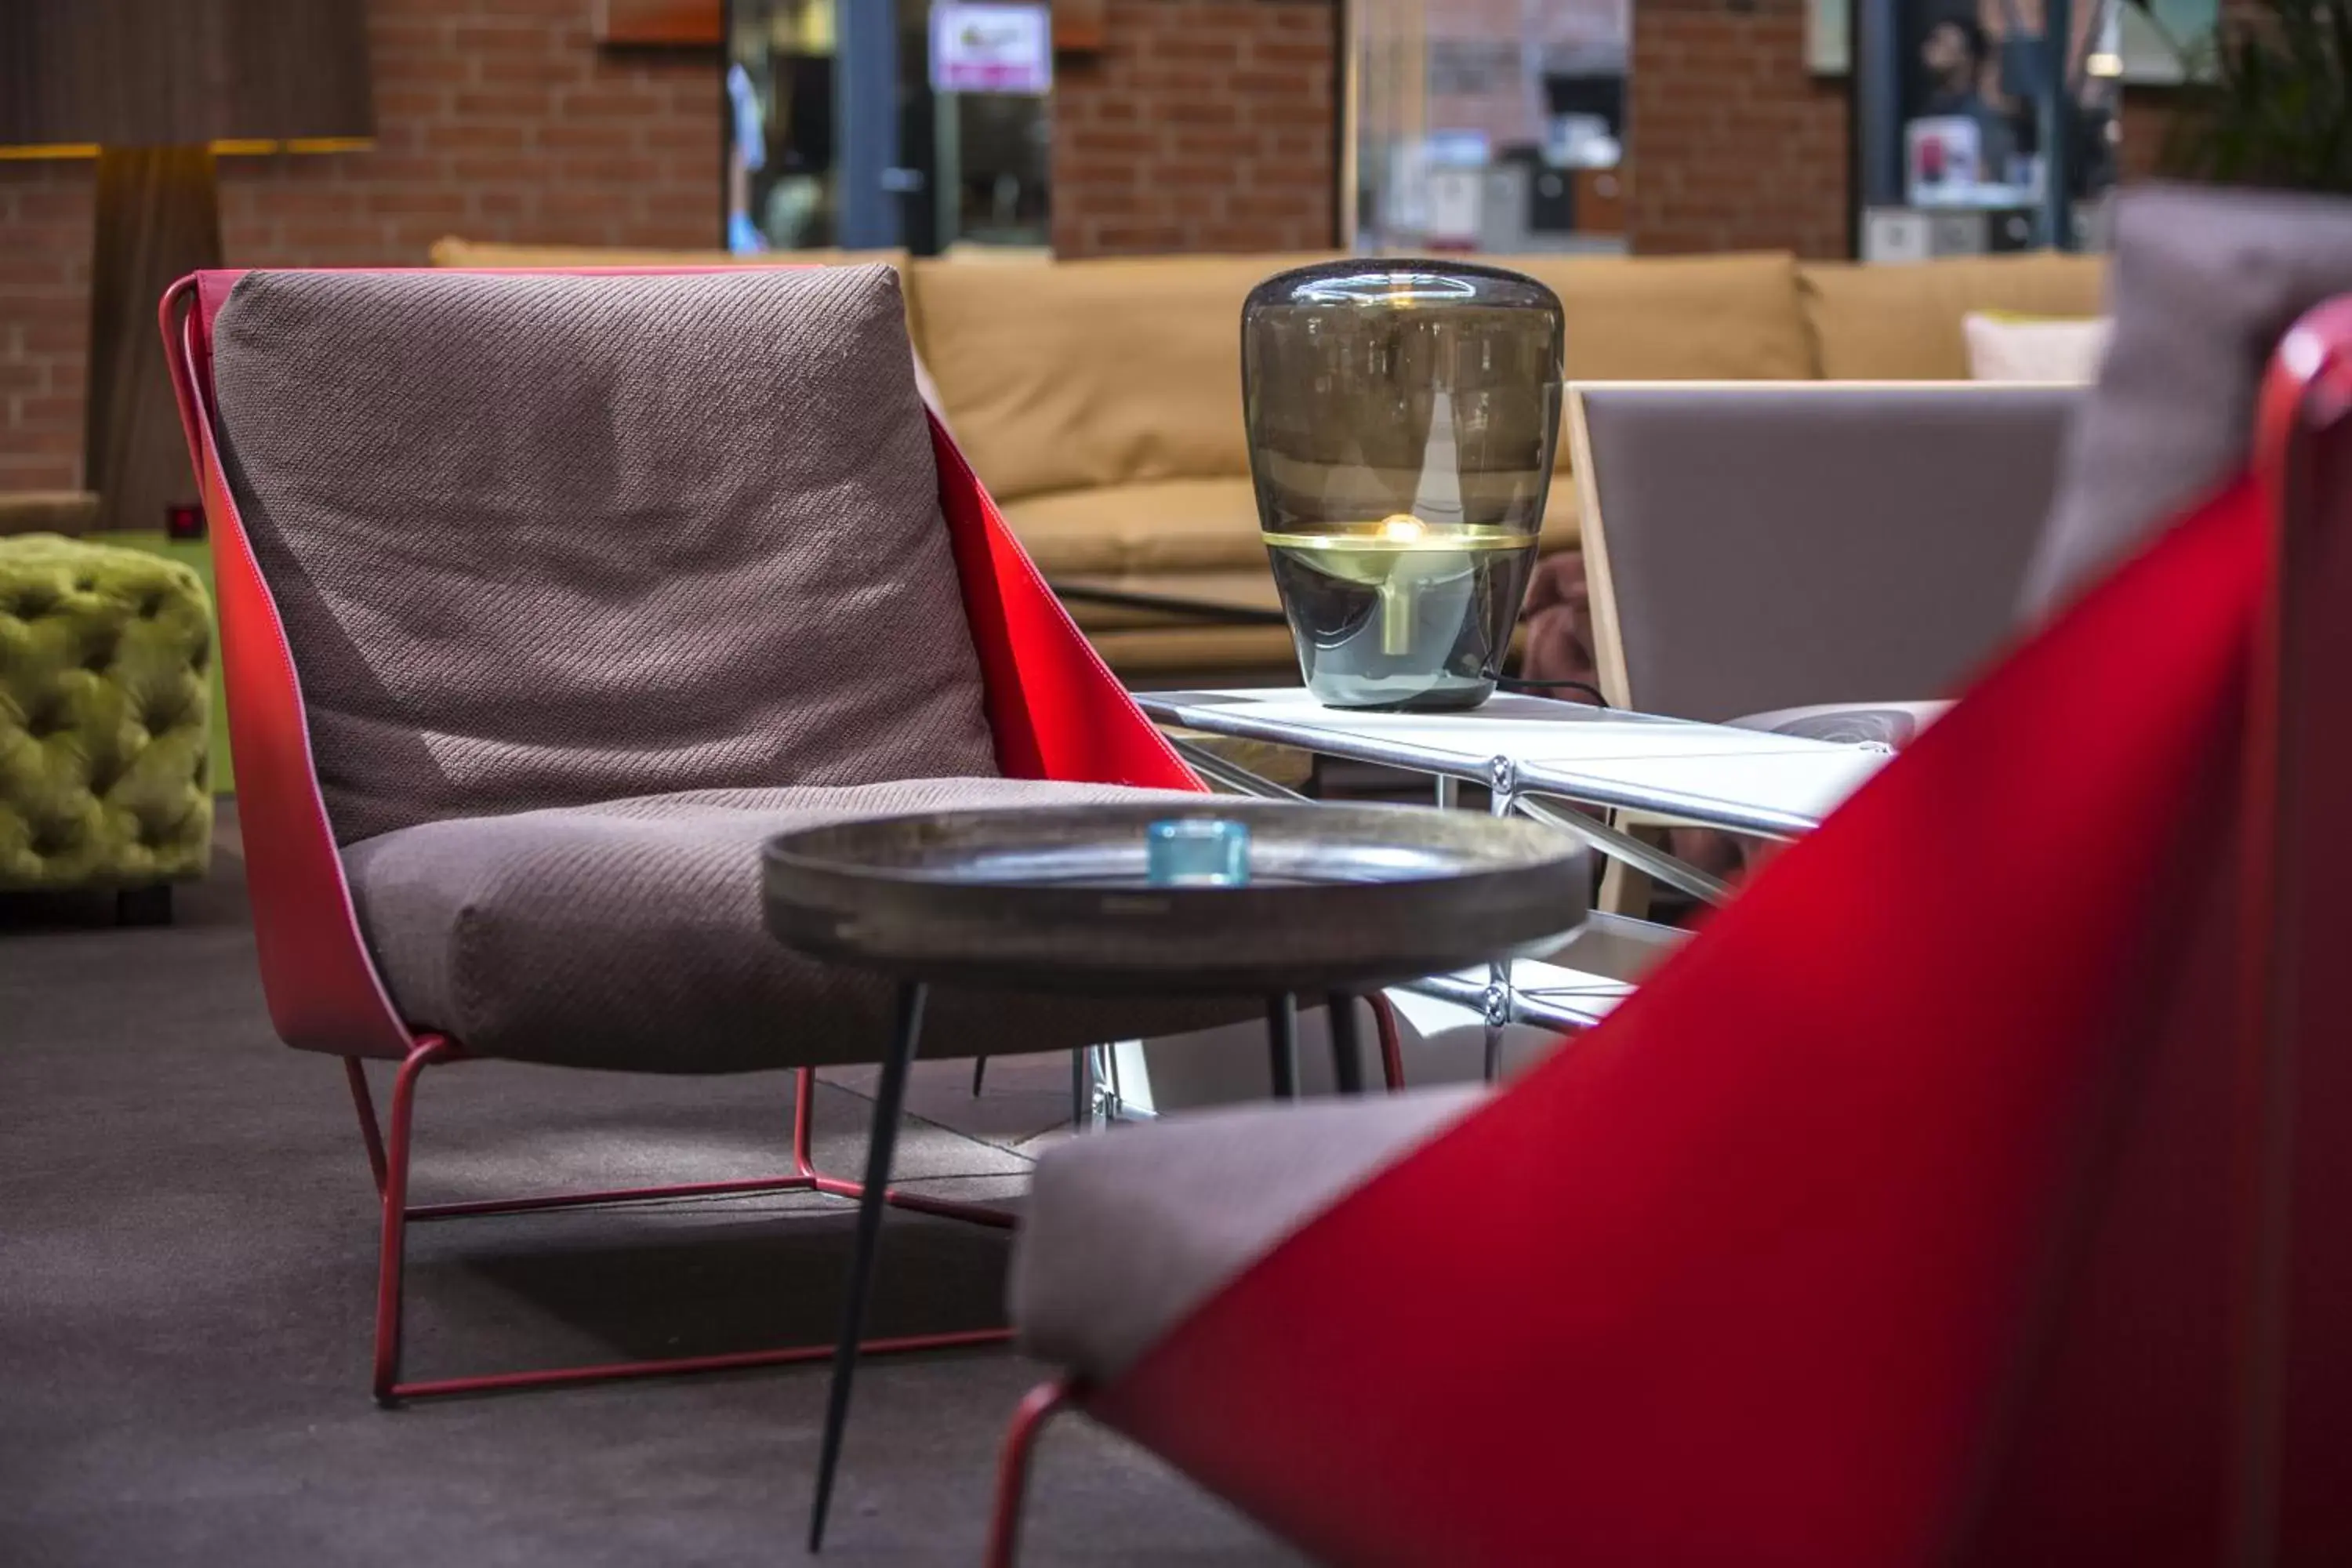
(572,538)
(1124,1236)
(1180,525)
(1083,374)
(1154,525)
(631,935)
(1676,318)
(2045,349)
(1903,322)
(1097,373)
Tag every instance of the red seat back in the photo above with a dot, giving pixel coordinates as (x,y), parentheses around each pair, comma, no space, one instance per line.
(1965,1192)
(1055,710)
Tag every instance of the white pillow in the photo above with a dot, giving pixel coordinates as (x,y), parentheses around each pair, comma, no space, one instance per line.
(2009,348)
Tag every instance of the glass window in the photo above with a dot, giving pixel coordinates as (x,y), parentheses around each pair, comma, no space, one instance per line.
(781,180)
(1490,126)
(952,143)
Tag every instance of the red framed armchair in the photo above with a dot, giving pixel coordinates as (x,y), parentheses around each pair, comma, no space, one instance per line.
(1987,1232)
(299,393)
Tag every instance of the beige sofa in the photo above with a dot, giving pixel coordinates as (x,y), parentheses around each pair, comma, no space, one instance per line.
(1100,400)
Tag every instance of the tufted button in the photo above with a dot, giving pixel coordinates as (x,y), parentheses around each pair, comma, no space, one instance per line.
(85,585)
(149,605)
(100,654)
(44,721)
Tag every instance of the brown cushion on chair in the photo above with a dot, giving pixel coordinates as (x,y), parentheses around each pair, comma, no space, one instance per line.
(1124,1234)
(630,935)
(541,540)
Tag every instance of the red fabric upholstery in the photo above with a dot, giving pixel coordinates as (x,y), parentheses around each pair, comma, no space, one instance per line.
(1968,1229)
(1056,711)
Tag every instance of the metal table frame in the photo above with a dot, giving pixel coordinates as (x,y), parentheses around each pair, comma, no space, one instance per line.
(1546,792)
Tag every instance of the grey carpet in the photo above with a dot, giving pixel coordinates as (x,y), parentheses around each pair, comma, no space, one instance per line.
(186,1281)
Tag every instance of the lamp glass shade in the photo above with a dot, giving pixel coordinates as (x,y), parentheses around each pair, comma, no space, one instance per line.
(1401,419)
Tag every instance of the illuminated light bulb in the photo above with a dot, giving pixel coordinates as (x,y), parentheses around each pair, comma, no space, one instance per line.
(1403,527)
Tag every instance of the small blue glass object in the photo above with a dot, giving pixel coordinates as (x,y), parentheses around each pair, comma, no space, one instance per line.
(1197,852)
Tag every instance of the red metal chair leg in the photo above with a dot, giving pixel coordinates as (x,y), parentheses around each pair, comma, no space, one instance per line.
(804,1164)
(1392,1047)
(428,1049)
(389,1155)
(1037,1407)
(364,1103)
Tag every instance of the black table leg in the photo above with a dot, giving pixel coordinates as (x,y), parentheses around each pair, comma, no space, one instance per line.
(1347,1066)
(1282,1041)
(889,1099)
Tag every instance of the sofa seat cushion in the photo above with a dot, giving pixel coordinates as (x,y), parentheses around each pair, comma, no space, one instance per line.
(1124,1235)
(1134,531)
(631,935)
(519,567)
(1156,525)
(1249,588)
(1903,322)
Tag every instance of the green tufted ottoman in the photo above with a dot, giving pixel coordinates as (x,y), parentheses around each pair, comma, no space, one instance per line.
(105,722)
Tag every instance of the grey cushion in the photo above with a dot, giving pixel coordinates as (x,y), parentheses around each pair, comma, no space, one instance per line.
(542,540)
(1127,1233)
(1890,724)
(630,935)
(1756,546)
(2203,285)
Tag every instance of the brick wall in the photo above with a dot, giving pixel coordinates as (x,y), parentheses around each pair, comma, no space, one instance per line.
(1204,125)
(45,224)
(495,119)
(1735,146)
(1200,125)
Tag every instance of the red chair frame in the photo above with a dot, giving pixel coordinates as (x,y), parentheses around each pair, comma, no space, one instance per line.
(1056,711)
(2161,1373)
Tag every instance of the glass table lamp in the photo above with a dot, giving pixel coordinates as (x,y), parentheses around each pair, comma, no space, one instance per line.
(1402,418)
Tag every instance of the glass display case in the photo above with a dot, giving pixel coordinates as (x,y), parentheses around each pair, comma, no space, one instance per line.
(1974,131)
(1401,419)
(1482,128)
(922,124)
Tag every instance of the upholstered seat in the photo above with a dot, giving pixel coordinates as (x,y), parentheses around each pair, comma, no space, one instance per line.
(546,599)
(628,934)
(1124,1236)
(574,639)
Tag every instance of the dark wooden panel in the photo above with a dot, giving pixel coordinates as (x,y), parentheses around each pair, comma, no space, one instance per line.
(158,220)
(157,73)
